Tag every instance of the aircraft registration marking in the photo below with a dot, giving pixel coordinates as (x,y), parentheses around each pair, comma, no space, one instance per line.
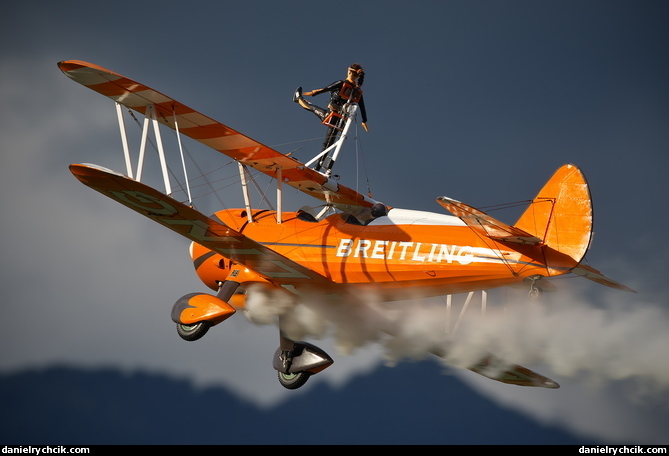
(146,202)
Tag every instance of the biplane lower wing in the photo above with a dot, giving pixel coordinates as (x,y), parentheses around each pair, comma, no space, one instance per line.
(494,368)
(211,133)
(195,226)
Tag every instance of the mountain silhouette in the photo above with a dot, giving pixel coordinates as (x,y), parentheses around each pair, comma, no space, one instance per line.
(412,403)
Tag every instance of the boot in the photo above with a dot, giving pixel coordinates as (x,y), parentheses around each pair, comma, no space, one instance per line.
(297,96)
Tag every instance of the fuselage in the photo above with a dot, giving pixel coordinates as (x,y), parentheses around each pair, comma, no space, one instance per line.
(405,254)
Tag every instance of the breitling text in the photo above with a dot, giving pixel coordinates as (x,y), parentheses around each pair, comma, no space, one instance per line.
(405,251)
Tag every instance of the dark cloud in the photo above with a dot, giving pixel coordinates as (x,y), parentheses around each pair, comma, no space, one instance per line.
(477,101)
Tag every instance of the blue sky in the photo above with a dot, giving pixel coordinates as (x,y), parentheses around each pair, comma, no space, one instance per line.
(479,101)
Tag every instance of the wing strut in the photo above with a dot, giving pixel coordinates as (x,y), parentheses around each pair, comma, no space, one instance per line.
(490,365)
(183,162)
(245,191)
(279,198)
(124,140)
(150,117)
(161,150)
(449,301)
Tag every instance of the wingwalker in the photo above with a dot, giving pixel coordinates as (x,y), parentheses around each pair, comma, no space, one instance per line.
(355,246)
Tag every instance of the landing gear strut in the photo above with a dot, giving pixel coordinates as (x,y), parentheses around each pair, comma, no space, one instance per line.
(535,293)
(295,362)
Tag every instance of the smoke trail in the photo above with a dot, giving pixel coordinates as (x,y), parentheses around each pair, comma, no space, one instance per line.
(621,338)
(351,325)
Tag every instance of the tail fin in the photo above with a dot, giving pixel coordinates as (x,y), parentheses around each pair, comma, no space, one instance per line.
(561,216)
(559,220)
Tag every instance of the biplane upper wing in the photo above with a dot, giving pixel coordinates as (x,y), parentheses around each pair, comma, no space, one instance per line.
(486,225)
(211,133)
(194,225)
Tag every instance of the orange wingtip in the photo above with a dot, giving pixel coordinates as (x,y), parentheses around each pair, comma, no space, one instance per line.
(70,65)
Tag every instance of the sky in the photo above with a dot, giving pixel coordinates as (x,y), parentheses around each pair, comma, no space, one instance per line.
(479,101)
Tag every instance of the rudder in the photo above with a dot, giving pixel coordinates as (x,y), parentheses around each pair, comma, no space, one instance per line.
(561,215)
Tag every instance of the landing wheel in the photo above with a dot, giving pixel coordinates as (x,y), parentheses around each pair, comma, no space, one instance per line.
(293,381)
(193,332)
(535,293)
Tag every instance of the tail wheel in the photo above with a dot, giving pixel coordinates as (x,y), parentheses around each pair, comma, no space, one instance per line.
(535,293)
(193,332)
(293,381)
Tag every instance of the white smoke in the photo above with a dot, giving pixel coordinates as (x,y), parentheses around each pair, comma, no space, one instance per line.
(351,325)
(620,339)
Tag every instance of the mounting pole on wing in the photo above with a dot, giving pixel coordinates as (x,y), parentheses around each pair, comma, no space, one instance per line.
(326,159)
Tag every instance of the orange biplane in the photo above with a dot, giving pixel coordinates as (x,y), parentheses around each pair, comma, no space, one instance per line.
(363,247)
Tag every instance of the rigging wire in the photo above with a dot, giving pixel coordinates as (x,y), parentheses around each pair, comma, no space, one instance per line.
(208,178)
(202,175)
(199,169)
(496,250)
(497,207)
(359,153)
(263,194)
(155,148)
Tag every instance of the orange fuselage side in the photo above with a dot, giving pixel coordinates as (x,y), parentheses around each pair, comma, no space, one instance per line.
(397,258)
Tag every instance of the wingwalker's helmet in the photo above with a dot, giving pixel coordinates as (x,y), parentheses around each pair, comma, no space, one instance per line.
(358,72)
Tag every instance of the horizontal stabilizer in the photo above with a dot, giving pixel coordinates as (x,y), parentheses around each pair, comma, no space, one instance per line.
(596,276)
(195,226)
(486,225)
